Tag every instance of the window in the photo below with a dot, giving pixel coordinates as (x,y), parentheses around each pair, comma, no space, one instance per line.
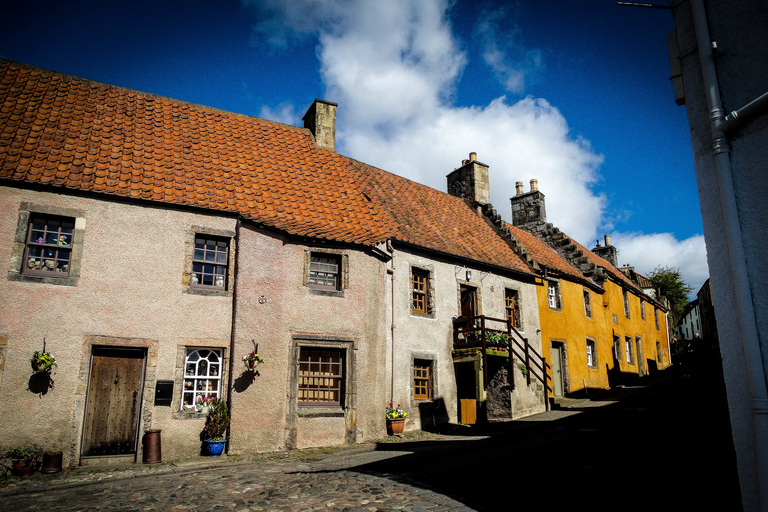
(512,308)
(553,294)
(321,377)
(587,304)
(615,319)
(591,353)
(202,376)
(422,379)
(642,310)
(209,263)
(656,317)
(659,357)
(617,348)
(49,244)
(324,271)
(628,349)
(626,303)
(420,294)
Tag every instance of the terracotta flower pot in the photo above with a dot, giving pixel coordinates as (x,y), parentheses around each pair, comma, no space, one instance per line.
(21,467)
(395,426)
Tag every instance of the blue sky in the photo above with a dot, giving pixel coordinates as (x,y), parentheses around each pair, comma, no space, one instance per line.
(574,94)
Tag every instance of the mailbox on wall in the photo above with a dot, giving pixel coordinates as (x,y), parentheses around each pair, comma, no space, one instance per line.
(163,392)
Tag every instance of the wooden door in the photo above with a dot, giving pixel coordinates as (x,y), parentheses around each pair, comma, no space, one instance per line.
(468,301)
(557,369)
(114,402)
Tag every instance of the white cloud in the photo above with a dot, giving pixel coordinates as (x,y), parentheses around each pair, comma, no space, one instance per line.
(512,63)
(285,113)
(646,252)
(393,67)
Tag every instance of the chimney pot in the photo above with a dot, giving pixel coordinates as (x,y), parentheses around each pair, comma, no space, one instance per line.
(607,240)
(534,185)
(464,162)
(472,156)
(518,188)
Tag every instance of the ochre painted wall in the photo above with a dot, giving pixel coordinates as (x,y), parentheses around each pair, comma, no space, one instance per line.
(570,326)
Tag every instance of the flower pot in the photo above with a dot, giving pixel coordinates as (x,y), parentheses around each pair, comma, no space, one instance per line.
(51,462)
(152,447)
(395,426)
(214,448)
(38,367)
(205,409)
(252,364)
(21,467)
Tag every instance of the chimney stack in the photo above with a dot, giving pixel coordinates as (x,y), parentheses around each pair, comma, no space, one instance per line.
(320,119)
(607,252)
(470,182)
(528,209)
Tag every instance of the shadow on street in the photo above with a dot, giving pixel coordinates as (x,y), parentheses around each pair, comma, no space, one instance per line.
(665,445)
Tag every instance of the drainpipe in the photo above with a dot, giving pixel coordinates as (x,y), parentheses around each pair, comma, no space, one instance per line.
(744,312)
(391,272)
(233,271)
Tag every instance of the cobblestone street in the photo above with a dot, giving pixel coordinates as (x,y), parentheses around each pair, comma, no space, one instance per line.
(545,461)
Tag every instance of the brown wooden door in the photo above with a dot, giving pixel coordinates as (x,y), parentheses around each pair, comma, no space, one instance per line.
(468,301)
(114,402)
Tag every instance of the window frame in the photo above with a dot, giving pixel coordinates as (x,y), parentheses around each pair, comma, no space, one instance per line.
(427,365)
(43,244)
(319,270)
(512,312)
(587,303)
(217,393)
(193,233)
(625,297)
(656,317)
(215,263)
(18,270)
(617,350)
(554,286)
(591,347)
(629,350)
(642,310)
(340,377)
(424,292)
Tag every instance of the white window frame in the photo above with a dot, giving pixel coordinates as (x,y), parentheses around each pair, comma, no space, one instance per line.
(553,295)
(591,353)
(199,380)
(587,304)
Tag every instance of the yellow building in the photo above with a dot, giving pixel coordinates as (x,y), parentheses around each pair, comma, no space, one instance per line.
(598,328)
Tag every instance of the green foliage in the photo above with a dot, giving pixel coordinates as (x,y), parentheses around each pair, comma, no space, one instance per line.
(523,370)
(493,338)
(28,452)
(42,360)
(217,422)
(669,283)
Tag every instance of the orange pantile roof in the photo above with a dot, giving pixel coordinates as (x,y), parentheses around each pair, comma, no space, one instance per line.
(544,254)
(612,271)
(426,217)
(68,132)
(72,133)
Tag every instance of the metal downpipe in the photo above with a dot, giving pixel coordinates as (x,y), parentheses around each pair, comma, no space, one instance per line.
(744,312)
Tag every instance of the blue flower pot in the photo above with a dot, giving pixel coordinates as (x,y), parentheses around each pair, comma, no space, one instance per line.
(214,448)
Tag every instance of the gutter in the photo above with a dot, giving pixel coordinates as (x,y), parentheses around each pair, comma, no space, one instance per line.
(743,313)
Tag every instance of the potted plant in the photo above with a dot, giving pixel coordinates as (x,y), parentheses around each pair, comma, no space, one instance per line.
(252,360)
(216,425)
(42,361)
(395,419)
(23,458)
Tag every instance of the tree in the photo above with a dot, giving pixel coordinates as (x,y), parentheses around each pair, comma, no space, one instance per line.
(669,283)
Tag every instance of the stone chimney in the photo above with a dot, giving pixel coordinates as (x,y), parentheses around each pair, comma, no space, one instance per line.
(321,121)
(470,182)
(528,209)
(607,252)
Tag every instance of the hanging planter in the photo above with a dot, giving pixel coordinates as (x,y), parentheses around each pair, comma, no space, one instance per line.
(42,361)
(252,360)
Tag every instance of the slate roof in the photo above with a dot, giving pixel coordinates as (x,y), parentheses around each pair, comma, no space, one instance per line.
(67,132)
(544,254)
